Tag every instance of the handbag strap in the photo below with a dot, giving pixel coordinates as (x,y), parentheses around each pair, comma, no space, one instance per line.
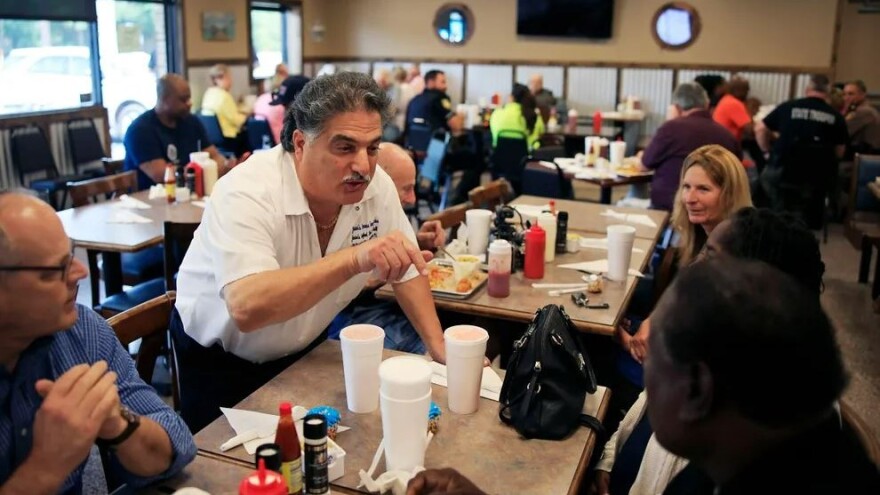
(594,424)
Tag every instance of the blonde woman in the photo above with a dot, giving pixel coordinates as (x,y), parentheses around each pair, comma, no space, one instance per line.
(218,101)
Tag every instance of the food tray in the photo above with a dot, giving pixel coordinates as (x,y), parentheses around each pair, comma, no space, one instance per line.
(477,279)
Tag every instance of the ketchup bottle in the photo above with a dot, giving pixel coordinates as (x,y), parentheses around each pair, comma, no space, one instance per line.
(262,482)
(535,241)
(291,453)
(597,123)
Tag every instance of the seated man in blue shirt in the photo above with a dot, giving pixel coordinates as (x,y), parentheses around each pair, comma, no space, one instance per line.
(167,133)
(66,383)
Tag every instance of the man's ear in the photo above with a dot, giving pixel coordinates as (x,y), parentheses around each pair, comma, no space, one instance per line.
(299,143)
(701,392)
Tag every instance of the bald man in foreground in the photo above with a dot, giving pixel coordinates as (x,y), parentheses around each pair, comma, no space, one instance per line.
(66,382)
(400,335)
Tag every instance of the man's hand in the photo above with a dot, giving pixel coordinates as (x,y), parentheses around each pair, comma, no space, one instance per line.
(447,481)
(389,257)
(431,235)
(601,480)
(74,410)
(638,344)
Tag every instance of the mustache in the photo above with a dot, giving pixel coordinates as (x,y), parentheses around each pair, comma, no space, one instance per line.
(357,177)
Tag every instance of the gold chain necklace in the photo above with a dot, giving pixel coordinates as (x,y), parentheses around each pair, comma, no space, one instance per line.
(324,228)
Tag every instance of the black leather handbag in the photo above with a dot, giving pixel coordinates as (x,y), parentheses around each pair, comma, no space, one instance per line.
(548,377)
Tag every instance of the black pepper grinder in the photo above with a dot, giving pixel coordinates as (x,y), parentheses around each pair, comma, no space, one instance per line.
(561,231)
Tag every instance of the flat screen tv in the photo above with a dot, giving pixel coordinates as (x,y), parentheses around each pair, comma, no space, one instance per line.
(565,18)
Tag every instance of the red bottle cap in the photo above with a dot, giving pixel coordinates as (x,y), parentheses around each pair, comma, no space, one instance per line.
(262,482)
(285,408)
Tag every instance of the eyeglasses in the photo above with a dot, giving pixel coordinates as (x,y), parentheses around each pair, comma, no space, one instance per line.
(580,299)
(64,267)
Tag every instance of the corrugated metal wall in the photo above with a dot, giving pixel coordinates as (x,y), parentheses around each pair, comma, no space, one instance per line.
(554,76)
(591,89)
(484,80)
(454,79)
(688,75)
(771,88)
(801,85)
(653,87)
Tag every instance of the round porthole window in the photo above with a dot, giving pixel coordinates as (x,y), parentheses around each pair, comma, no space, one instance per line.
(676,25)
(454,24)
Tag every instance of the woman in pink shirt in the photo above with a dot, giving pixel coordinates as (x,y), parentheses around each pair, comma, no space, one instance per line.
(271,106)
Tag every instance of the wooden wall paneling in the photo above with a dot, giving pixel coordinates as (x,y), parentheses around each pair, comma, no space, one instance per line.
(554,76)
(591,88)
(654,88)
(483,80)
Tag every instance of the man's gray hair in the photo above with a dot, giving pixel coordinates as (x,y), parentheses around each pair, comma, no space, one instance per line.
(327,96)
(819,83)
(690,95)
(6,252)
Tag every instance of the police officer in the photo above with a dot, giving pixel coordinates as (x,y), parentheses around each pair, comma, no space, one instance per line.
(431,110)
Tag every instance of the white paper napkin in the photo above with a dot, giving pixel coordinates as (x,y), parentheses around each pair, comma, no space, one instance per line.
(126,216)
(157,191)
(490,387)
(243,420)
(601,243)
(591,173)
(636,218)
(200,204)
(597,266)
(126,201)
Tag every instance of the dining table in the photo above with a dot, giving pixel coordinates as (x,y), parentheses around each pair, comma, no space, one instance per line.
(101,228)
(479,445)
(587,221)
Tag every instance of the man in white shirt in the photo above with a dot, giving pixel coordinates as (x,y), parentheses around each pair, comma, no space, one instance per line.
(287,240)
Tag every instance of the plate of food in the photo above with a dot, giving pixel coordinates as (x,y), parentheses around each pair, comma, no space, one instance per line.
(457,279)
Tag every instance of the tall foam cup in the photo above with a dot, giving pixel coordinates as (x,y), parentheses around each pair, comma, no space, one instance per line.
(361,356)
(615,153)
(405,398)
(465,349)
(478,222)
(620,245)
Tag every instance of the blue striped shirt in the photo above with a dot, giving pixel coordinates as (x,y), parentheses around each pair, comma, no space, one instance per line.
(88,341)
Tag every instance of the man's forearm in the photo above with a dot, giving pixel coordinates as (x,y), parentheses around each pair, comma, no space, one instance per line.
(762,136)
(148,451)
(33,479)
(275,296)
(414,297)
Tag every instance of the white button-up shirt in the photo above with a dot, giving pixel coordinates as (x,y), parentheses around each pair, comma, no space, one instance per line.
(258,220)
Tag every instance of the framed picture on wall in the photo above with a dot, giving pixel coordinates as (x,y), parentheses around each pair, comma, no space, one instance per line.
(218,26)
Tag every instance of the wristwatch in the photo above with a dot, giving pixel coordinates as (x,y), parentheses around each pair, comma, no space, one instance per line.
(132,420)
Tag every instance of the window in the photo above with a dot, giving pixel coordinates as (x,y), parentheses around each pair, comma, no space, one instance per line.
(44,65)
(454,24)
(275,38)
(676,25)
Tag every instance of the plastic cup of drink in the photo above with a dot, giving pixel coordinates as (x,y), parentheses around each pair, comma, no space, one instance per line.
(478,222)
(620,245)
(361,356)
(465,351)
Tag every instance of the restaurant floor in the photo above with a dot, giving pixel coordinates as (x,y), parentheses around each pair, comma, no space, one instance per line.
(847,303)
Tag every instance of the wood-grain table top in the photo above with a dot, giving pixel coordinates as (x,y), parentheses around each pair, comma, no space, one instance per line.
(479,445)
(587,217)
(89,228)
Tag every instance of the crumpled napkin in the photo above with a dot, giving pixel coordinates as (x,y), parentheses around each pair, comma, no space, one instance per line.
(393,481)
(157,191)
(126,216)
(126,201)
(636,218)
(597,266)
(490,386)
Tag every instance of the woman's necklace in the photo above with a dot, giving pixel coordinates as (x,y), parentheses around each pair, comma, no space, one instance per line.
(328,226)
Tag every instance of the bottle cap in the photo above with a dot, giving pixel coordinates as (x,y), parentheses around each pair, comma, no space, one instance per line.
(562,215)
(314,427)
(262,482)
(270,454)
(285,408)
(499,246)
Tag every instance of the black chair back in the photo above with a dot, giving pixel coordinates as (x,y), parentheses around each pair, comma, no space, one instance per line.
(574,144)
(538,180)
(212,129)
(259,134)
(418,136)
(178,237)
(507,159)
(866,170)
(31,153)
(85,144)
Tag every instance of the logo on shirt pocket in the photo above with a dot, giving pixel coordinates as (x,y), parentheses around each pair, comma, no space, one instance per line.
(363,232)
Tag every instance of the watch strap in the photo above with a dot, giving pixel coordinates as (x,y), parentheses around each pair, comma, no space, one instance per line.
(132,420)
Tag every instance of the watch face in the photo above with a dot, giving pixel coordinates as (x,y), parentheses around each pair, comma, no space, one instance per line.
(128,415)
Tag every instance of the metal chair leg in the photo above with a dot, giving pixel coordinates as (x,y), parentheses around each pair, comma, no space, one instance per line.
(865,261)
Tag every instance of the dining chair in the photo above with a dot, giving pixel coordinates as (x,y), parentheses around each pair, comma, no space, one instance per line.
(214,133)
(137,268)
(85,146)
(511,148)
(418,136)
(862,224)
(259,135)
(31,154)
(178,237)
(538,180)
(433,173)
(452,217)
(490,195)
